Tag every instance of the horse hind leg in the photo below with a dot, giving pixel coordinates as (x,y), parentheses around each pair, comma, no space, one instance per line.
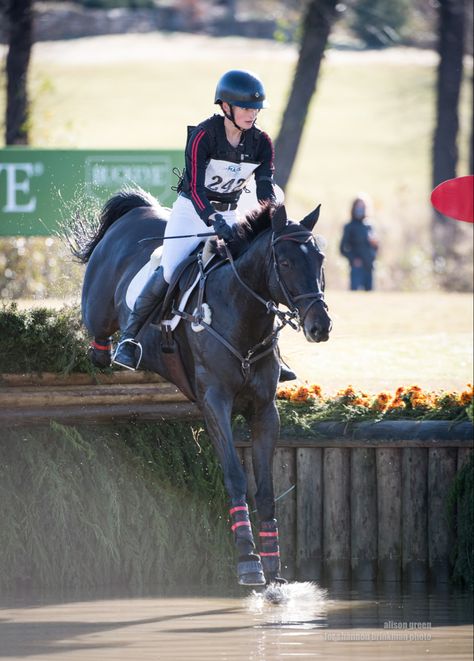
(100,352)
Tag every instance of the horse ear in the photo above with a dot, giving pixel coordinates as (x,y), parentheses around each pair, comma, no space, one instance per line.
(311,219)
(279,219)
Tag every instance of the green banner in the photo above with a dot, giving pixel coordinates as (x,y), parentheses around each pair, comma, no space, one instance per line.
(37,186)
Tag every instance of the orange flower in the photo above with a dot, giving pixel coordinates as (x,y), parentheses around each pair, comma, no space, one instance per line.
(467,395)
(362,401)
(397,403)
(382,401)
(316,390)
(414,389)
(420,401)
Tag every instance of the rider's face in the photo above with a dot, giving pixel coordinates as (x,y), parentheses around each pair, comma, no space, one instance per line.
(243,117)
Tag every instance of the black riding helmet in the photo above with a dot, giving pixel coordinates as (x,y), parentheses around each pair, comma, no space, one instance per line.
(241,88)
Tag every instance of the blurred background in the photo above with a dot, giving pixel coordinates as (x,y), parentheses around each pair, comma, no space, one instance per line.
(370,96)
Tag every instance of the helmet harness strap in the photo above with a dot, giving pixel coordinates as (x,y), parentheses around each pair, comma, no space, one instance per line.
(231,117)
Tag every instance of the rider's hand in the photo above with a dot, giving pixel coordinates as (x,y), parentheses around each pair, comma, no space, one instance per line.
(221,228)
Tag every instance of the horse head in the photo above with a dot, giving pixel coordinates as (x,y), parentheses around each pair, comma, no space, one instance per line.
(298,274)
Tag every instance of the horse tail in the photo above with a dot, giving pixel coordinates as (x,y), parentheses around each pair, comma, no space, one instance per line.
(126,199)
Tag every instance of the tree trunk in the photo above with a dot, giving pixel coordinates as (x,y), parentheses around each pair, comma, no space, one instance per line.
(20,17)
(450,70)
(446,232)
(317,22)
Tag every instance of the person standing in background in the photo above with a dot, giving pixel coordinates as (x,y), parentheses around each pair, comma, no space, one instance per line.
(359,244)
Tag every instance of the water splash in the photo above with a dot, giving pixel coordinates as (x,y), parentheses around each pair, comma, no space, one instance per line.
(296,605)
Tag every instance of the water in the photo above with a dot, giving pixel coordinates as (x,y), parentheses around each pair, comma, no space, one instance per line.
(342,623)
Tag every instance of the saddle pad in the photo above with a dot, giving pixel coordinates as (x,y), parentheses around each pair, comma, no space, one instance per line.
(139,280)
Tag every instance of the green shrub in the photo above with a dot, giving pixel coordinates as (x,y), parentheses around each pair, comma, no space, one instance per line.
(461,513)
(42,340)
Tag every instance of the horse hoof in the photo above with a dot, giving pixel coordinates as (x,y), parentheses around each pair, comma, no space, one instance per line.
(257,578)
(101,359)
(250,572)
(276,580)
(274,594)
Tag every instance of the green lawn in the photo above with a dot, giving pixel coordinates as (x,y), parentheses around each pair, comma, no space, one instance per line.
(384,340)
(369,126)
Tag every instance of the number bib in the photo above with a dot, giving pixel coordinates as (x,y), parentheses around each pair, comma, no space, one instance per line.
(226,176)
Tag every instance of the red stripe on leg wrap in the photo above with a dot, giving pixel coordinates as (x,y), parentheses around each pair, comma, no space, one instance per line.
(101,347)
(267,554)
(239,524)
(240,508)
(268,534)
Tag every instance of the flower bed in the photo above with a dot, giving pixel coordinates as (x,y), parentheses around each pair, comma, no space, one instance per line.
(351,404)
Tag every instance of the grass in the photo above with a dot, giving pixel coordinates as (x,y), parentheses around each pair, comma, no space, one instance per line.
(382,340)
(369,126)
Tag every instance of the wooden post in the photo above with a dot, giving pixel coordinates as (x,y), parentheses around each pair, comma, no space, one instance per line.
(441,473)
(389,513)
(414,514)
(309,513)
(336,514)
(363,514)
(464,455)
(284,476)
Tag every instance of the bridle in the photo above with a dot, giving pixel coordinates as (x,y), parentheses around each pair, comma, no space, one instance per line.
(291,318)
(301,237)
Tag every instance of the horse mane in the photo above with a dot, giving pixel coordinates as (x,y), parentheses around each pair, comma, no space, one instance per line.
(83,233)
(246,231)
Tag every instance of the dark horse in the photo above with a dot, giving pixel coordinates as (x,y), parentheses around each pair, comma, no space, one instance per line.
(233,365)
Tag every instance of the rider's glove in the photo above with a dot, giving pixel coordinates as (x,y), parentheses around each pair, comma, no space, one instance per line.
(221,228)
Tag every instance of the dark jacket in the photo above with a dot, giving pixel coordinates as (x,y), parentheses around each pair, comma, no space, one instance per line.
(217,171)
(355,242)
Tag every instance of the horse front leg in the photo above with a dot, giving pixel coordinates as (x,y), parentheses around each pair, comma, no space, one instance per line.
(265,428)
(217,410)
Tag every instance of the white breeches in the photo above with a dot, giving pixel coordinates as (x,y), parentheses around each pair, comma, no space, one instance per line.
(184,220)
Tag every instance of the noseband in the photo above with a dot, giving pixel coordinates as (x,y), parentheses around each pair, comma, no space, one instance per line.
(300,236)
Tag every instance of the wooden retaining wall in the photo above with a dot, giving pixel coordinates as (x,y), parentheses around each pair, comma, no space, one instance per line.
(369,501)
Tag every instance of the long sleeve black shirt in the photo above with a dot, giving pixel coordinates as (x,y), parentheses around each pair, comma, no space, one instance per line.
(217,171)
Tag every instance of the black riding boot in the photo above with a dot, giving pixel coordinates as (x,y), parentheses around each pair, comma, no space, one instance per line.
(151,295)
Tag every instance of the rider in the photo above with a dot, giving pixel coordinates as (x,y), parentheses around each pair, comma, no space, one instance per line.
(222,153)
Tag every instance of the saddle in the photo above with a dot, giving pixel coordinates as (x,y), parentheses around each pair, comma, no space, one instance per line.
(164,318)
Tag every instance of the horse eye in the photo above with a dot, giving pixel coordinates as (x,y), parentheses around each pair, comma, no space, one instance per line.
(284,263)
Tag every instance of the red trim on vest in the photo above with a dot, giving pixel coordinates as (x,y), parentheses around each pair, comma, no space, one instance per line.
(195,196)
